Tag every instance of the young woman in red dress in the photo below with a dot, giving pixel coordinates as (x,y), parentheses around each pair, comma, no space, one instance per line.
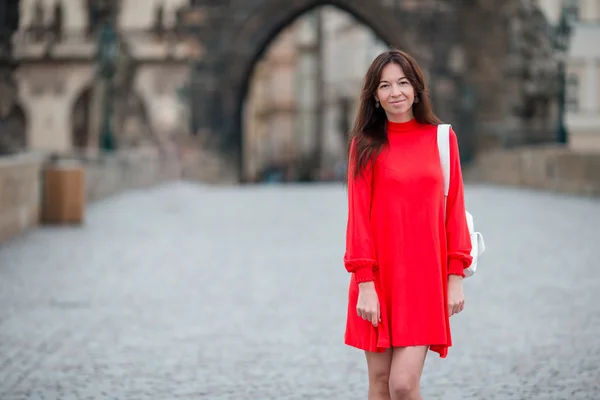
(406,255)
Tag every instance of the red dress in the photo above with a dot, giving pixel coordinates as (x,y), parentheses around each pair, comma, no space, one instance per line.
(397,237)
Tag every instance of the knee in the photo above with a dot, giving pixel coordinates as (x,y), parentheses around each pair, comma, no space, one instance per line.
(404,386)
(379,384)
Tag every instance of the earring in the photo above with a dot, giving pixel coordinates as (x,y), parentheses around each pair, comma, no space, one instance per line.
(376,104)
(416,100)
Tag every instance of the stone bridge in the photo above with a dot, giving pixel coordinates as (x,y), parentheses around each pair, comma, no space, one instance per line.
(187,291)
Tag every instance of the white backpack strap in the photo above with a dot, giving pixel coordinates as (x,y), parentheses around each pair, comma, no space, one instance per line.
(443,140)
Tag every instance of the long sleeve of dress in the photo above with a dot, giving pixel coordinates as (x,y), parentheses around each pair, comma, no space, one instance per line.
(360,257)
(457,230)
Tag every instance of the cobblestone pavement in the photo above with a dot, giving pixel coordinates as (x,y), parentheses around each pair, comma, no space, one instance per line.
(189,292)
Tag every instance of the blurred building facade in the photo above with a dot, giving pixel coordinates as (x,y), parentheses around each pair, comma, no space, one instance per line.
(582,69)
(58,85)
(488,66)
(304,94)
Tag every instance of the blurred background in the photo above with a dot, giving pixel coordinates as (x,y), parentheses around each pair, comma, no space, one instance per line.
(251,91)
(158,157)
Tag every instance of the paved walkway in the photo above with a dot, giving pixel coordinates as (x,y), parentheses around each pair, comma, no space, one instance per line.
(189,292)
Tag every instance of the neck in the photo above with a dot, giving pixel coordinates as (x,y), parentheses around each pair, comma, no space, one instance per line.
(402,127)
(399,118)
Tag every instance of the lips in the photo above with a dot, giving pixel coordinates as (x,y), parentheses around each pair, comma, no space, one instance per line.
(397,102)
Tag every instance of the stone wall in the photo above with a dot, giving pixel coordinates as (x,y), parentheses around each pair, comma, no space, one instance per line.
(552,167)
(110,174)
(21,182)
(19,193)
(204,166)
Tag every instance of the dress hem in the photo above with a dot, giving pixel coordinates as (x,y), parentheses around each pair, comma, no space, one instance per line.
(441,349)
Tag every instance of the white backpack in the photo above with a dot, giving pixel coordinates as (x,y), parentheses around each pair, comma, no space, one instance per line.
(443,141)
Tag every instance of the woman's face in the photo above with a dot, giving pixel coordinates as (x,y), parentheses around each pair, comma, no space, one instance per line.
(395,93)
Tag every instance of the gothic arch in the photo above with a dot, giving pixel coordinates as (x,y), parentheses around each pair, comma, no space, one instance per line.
(461,46)
(13,132)
(133,121)
(81,119)
(248,40)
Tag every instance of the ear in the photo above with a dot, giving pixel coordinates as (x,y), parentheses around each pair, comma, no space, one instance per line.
(376,98)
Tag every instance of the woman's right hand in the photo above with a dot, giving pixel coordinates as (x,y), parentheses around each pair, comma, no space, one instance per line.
(367,306)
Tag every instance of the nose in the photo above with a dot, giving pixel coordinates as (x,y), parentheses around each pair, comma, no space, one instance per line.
(396,91)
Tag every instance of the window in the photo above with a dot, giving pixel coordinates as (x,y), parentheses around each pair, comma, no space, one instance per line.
(572,92)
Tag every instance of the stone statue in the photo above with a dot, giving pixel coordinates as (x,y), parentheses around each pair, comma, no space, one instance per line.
(116,79)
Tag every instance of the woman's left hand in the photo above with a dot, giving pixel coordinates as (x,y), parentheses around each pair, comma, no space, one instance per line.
(456,297)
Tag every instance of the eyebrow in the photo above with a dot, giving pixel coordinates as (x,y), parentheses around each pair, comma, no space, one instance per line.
(402,77)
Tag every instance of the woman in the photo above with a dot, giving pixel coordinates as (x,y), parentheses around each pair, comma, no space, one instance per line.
(406,255)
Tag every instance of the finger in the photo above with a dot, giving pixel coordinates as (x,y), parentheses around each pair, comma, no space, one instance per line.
(374,318)
(359,313)
(378,312)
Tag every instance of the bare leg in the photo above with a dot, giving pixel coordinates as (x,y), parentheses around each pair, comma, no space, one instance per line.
(406,371)
(379,365)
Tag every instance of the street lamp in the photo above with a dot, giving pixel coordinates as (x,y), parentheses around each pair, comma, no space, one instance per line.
(562,35)
(107,55)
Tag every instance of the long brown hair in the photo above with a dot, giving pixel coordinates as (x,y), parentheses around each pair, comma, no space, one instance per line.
(369,131)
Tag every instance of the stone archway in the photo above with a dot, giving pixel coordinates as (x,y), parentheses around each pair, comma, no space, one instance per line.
(81,124)
(463,46)
(13,131)
(222,78)
(242,56)
(292,102)
(132,121)
(13,121)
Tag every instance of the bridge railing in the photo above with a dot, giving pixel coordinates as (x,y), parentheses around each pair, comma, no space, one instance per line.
(549,167)
(22,183)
